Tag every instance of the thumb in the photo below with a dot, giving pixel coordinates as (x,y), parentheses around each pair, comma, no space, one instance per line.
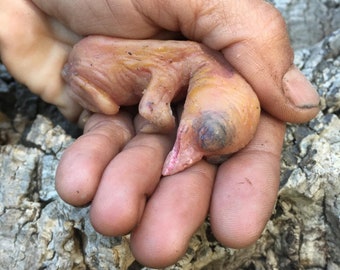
(265,59)
(253,38)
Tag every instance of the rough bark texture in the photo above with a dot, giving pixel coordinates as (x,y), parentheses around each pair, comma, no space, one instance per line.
(39,231)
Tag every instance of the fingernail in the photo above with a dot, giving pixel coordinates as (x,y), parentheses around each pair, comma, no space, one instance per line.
(299,90)
(83,117)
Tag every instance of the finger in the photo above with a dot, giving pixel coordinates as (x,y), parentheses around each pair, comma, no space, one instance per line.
(82,164)
(246,187)
(172,215)
(127,182)
(34,49)
(251,34)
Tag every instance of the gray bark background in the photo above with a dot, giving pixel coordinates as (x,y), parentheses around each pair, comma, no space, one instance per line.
(39,231)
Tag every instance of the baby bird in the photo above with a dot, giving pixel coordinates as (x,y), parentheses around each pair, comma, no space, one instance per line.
(221,111)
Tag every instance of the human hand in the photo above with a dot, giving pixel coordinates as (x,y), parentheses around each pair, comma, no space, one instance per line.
(245,188)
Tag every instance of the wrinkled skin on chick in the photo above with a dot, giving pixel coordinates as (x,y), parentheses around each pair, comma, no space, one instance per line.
(221,111)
